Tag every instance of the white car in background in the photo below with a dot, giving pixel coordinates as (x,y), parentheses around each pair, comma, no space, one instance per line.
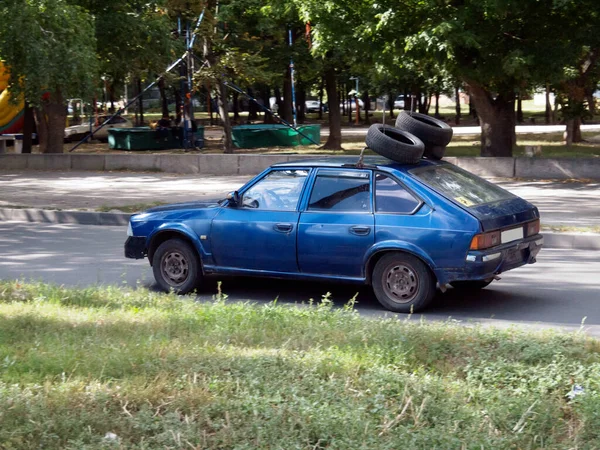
(399,102)
(78,132)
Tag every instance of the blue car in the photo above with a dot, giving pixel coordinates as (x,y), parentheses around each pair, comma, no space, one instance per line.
(403,229)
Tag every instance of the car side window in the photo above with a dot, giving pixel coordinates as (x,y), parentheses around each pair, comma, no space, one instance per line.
(392,197)
(344,191)
(278,191)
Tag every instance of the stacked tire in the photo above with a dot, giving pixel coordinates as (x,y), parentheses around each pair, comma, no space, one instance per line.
(414,136)
(434,133)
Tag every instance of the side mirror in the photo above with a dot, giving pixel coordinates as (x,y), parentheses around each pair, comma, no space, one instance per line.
(234,198)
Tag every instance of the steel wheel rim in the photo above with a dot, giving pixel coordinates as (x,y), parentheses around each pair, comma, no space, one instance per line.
(175,268)
(400,283)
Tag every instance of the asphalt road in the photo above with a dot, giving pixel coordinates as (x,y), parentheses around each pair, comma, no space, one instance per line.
(559,291)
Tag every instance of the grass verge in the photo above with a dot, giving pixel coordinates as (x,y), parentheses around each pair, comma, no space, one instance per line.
(120,368)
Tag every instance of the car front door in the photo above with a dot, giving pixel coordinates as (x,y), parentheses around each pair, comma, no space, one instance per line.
(260,233)
(336,225)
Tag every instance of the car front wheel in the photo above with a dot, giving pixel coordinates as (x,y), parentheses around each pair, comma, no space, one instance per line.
(403,283)
(176,267)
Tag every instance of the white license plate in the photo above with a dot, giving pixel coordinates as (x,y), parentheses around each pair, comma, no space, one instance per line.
(511,235)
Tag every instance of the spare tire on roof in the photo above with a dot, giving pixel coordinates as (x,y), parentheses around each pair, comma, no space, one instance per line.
(434,133)
(397,145)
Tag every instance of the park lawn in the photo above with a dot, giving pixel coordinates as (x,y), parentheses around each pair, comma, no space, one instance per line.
(110,367)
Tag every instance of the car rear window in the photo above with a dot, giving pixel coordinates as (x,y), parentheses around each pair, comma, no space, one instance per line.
(459,185)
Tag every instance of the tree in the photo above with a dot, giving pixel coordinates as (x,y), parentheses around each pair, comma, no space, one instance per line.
(51,50)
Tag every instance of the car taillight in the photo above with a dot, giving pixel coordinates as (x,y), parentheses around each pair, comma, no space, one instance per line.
(532,228)
(485,240)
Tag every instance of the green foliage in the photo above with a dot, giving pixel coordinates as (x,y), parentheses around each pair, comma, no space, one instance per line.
(164,371)
(50,46)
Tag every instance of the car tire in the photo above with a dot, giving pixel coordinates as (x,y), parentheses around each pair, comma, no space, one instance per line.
(470,285)
(176,267)
(434,152)
(397,145)
(433,132)
(403,283)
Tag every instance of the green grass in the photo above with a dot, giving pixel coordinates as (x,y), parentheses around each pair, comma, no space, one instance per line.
(160,371)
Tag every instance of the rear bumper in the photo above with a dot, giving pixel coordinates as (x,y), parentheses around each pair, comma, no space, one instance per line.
(485,264)
(135,247)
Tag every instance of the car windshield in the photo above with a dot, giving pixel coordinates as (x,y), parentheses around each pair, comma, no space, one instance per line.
(459,185)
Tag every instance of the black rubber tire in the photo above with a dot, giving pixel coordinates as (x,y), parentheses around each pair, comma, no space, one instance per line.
(433,132)
(397,145)
(194,270)
(425,282)
(434,152)
(471,285)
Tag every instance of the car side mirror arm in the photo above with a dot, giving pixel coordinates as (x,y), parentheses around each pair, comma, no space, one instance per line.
(234,199)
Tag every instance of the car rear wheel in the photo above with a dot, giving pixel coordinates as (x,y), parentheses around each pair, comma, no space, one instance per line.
(176,267)
(470,285)
(403,283)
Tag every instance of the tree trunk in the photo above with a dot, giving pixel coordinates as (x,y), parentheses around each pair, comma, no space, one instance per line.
(519,108)
(334,141)
(236,107)
(367,103)
(391,99)
(51,120)
(321,87)
(28,127)
(252,107)
(286,107)
(301,103)
(437,104)
(497,119)
(407,100)
(343,99)
(42,129)
(549,113)
(591,102)
(163,98)
(111,96)
(349,109)
(457,96)
(178,105)
(140,101)
(224,113)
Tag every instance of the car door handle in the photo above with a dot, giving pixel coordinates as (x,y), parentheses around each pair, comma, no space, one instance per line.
(360,231)
(283,227)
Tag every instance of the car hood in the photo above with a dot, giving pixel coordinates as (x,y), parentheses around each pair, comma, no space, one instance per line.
(183,206)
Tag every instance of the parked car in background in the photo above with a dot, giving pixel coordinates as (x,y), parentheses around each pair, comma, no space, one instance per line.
(78,132)
(399,102)
(401,228)
(361,104)
(313,106)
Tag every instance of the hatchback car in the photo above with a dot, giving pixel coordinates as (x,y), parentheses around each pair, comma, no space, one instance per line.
(404,229)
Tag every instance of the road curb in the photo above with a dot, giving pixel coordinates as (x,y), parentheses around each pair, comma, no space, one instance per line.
(552,239)
(70,217)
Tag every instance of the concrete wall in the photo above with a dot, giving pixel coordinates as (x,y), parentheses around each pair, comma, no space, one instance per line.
(246,164)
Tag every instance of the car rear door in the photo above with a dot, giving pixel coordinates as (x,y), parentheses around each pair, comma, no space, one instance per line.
(336,227)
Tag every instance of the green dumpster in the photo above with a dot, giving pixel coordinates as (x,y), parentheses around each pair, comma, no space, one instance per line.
(254,136)
(145,138)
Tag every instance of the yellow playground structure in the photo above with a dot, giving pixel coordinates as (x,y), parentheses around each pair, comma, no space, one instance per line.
(11,114)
